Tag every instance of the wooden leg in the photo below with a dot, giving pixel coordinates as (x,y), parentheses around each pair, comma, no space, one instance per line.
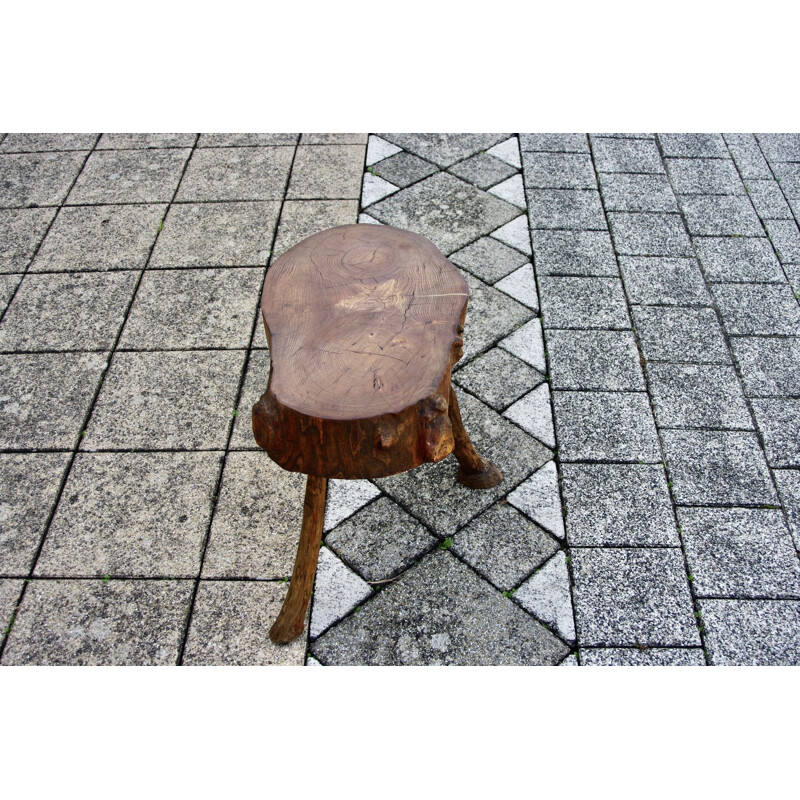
(474,471)
(291,619)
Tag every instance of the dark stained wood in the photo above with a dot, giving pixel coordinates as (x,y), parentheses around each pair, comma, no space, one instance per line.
(473,470)
(364,324)
(291,618)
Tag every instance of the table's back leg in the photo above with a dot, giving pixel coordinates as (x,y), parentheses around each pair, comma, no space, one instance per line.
(291,619)
(474,471)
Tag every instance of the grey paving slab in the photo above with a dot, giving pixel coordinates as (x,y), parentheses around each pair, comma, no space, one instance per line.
(21,232)
(720,215)
(8,285)
(646,657)
(44,398)
(768,200)
(697,396)
(483,170)
(337,591)
(255,384)
(533,413)
(559,171)
(521,285)
(664,281)
(539,497)
(573,209)
(788,483)
(793,273)
(216,235)
(345,497)
(738,260)
(132,515)
(704,176)
(625,192)
(333,138)
(527,343)
(488,259)
(380,541)
(498,378)
(626,155)
(403,169)
(693,145)
(302,218)
(67,311)
(554,142)
(680,334)
(583,303)
(329,171)
(176,309)
(79,622)
(752,632)
(246,139)
(29,484)
(573,253)
(167,400)
(780,146)
(444,149)
(439,613)
(129,176)
(447,210)
(10,589)
(632,596)
(717,467)
(769,366)
(649,234)
(100,238)
(230,626)
(594,360)
(623,505)
(547,595)
(37,179)
(785,237)
(788,176)
(749,309)
(503,545)
(778,419)
(42,142)
(257,521)
(236,173)
(615,426)
(136,141)
(432,490)
(740,552)
(747,155)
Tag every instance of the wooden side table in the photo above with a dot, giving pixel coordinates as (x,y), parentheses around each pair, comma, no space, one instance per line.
(364,325)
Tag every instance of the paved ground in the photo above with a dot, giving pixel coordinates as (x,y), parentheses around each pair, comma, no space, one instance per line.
(653,518)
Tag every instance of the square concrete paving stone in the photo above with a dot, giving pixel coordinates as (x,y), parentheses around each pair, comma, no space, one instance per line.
(725,467)
(483,170)
(646,657)
(44,398)
(403,169)
(256,525)
(574,253)
(697,396)
(583,303)
(738,259)
(788,483)
(577,209)
(498,378)
(768,199)
(780,146)
(680,334)
(626,155)
(554,142)
(503,546)
(327,171)
(623,505)
(720,215)
(614,426)
(432,492)
(559,171)
(129,176)
(439,612)
(594,360)
(180,309)
(10,589)
(636,596)
(664,281)
(246,139)
(778,419)
(41,179)
(302,218)
(769,366)
(236,173)
(79,622)
(623,192)
(749,309)
(132,515)
(752,632)
(489,259)
(445,209)
(21,231)
(444,149)
(230,626)
(216,235)
(704,176)
(785,237)
(68,311)
(135,141)
(649,234)
(178,400)
(747,155)
(8,285)
(255,384)
(380,541)
(693,145)
(740,552)
(29,483)
(42,142)
(100,238)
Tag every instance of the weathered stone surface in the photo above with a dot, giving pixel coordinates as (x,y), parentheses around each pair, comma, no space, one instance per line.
(333,138)
(444,149)
(379,149)
(498,378)
(10,589)
(680,334)
(646,657)
(527,343)
(751,308)
(704,176)
(788,483)
(533,413)
(521,285)
(574,253)
(374,189)
(337,591)
(255,382)
(134,141)
(439,613)
(720,215)
(738,259)
(546,594)
(768,199)
(404,169)
(577,209)
(626,155)
(540,499)
(37,179)
(345,498)
(778,419)
(488,259)
(42,142)
(625,192)
(246,139)
(649,234)
(21,231)
(664,281)
(482,170)
(785,238)
(303,218)
(326,172)
(507,151)
(554,142)
(693,145)
(515,233)
(583,303)
(559,171)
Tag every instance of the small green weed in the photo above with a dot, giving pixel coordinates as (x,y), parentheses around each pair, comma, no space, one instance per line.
(447,543)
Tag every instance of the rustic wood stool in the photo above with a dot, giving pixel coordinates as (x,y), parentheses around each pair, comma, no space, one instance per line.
(364,325)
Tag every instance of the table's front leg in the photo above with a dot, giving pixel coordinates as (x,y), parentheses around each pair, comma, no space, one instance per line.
(474,471)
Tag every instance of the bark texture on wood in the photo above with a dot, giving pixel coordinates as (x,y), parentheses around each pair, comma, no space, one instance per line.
(473,470)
